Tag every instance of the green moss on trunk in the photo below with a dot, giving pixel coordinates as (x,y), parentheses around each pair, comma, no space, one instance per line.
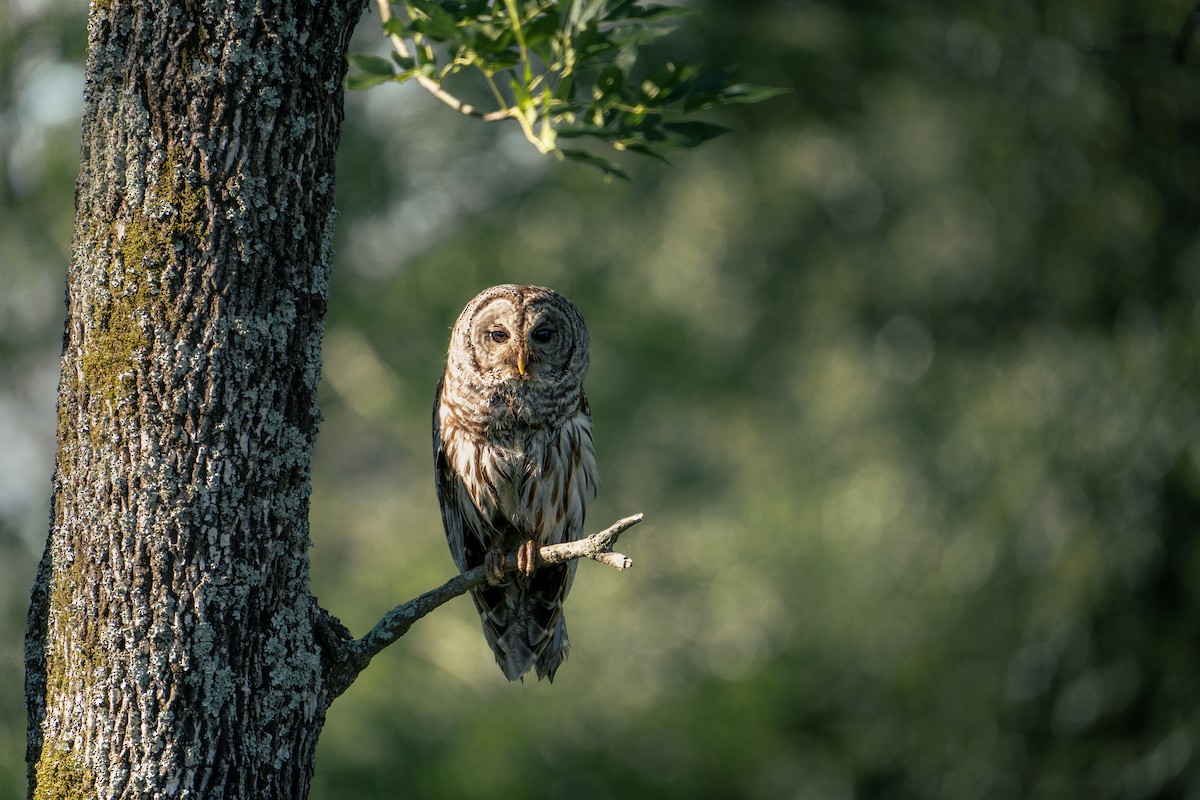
(61,775)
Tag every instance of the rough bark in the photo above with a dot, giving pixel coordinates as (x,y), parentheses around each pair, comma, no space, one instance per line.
(172,649)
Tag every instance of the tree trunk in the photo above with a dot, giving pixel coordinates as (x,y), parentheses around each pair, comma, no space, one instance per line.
(173,647)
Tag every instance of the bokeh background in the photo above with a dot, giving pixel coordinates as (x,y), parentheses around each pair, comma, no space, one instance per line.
(904,373)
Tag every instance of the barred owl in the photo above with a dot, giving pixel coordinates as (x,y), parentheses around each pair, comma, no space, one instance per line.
(514,462)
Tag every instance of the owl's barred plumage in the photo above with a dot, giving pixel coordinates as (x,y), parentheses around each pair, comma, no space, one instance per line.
(514,461)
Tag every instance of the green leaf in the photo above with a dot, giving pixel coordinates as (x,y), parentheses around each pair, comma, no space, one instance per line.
(636,117)
(357,81)
(705,90)
(424,6)
(425,55)
(582,13)
(564,92)
(541,29)
(521,94)
(625,59)
(372,71)
(674,80)
(689,134)
(474,8)
(502,61)
(750,93)
(609,168)
(655,13)
(575,131)
(646,150)
(372,65)
(490,40)
(636,34)
(425,69)
(440,26)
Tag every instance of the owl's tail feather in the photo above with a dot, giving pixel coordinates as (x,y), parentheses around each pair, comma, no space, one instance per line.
(523,623)
(555,653)
(516,657)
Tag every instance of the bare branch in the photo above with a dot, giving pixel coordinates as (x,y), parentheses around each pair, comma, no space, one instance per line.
(354,655)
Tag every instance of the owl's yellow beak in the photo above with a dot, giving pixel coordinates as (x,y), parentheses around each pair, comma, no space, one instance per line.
(521,362)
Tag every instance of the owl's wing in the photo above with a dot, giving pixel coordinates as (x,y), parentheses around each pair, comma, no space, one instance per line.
(580,485)
(467,547)
(506,623)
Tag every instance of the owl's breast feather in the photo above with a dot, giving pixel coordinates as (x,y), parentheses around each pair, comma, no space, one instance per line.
(512,471)
(515,405)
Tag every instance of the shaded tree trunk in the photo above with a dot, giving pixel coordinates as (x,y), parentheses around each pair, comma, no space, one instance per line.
(173,647)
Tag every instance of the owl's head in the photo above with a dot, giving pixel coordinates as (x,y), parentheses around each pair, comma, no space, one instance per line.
(527,336)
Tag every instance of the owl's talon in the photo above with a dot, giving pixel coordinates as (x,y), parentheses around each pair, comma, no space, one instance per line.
(527,557)
(493,567)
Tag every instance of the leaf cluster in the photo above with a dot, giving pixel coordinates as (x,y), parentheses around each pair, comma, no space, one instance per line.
(565,70)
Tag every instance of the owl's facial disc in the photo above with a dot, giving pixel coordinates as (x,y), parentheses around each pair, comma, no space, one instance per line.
(521,343)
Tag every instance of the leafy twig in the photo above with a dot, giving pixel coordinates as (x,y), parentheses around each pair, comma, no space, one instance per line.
(561,70)
(429,84)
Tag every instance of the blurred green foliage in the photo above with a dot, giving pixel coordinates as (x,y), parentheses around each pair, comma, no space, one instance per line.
(904,374)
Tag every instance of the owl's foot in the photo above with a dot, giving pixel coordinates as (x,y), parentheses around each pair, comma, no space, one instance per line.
(493,566)
(527,557)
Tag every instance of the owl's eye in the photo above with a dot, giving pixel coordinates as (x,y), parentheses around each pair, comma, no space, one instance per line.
(543,335)
(499,336)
